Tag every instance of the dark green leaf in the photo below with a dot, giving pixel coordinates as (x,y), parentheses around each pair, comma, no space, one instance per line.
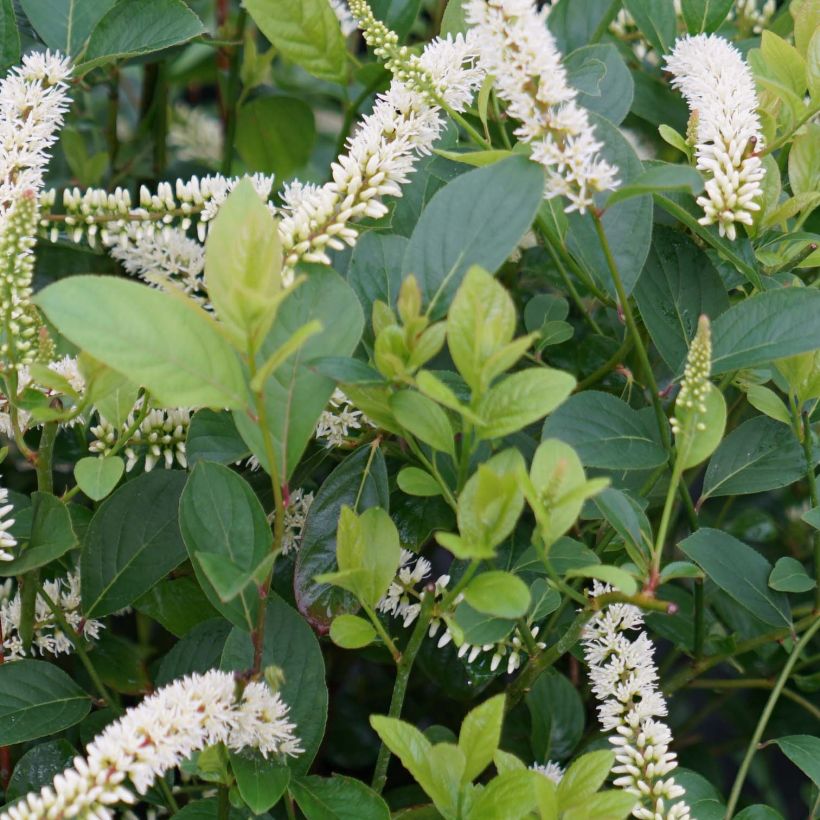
(9,36)
(704,15)
(337,798)
(37,699)
(260,781)
(220,515)
(661,177)
(177,604)
(556,717)
(65,24)
(38,766)
(480,629)
(764,327)
(656,20)
(804,752)
(739,571)
(760,455)
(399,15)
(477,219)
(199,651)
(212,436)
(606,432)
(573,22)
(671,299)
(275,135)
(52,535)
(296,394)
(611,90)
(305,32)
(789,575)
(133,542)
(140,27)
(291,645)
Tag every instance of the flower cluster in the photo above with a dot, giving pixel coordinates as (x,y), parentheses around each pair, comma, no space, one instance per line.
(295,516)
(49,638)
(196,136)
(719,87)
(696,386)
(402,600)
(516,47)
(625,681)
(338,419)
(381,155)
(151,739)
(7,540)
(160,437)
(750,16)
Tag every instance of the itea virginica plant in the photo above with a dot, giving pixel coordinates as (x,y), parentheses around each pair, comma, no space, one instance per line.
(409,409)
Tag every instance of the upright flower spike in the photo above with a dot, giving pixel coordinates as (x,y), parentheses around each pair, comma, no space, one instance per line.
(719,88)
(155,737)
(695,387)
(516,47)
(7,540)
(625,681)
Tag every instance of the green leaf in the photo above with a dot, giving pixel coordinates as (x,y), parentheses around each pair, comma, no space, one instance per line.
(199,651)
(656,20)
(65,24)
(132,543)
(606,432)
(140,27)
(783,62)
(508,796)
(628,225)
(612,89)
(414,481)
(453,20)
(584,777)
(275,135)
(703,442)
(616,576)
(477,219)
(739,571)
(398,15)
(424,419)
(170,347)
(226,578)
(38,767)
(789,575)
(361,475)
(812,517)
(352,632)
(51,536)
(481,321)
(212,436)
(759,812)
(498,593)
(243,264)
(764,327)
(296,394)
(219,514)
(612,804)
(768,402)
(261,782)
(305,32)
(521,399)
(478,628)
(97,476)
(290,644)
(760,454)
(804,752)
(661,177)
(704,15)
(556,717)
(804,160)
(629,521)
(480,735)
(37,699)
(178,604)
(337,798)
(368,554)
(9,36)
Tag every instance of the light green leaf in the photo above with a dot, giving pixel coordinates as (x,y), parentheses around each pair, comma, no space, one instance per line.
(789,575)
(139,27)
(584,777)
(171,347)
(740,571)
(768,402)
(498,593)
(783,62)
(521,399)
(97,476)
(415,481)
(804,160)
(261,782)
(424,419)
(480,735)
(351,632)
(616,576)
(305,32)
(509,796)
(702,443)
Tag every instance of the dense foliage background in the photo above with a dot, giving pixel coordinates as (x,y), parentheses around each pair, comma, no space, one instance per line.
(450,439)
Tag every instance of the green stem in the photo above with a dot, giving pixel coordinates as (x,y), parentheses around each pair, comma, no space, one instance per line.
(779,143)
(223,810)
(607,367)
(812,480)
(289,808)
(383,634)
(632,326)
(475,136)
(528,637)
(403,670)
(431,467)
(764,717)
(756,683)
(660,540)
(699,619)
(232,102)
(45,457)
